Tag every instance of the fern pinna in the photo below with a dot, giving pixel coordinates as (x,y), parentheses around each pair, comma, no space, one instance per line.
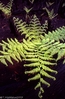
(37,49)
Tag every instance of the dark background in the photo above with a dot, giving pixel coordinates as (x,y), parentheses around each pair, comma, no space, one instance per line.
(13,81)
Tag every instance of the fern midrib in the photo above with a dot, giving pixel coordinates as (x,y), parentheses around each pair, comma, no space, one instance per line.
(40,92)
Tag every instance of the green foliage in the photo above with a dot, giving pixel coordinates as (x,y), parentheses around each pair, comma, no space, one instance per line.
(37,49)
(6,9)
(32,1)
(57,35)
(39,60)
(48,4)
(27,10)
(50,13)
(27,13)
(11,49)
(32,31)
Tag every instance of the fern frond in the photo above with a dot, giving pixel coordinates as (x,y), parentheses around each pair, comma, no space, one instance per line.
(6,9)
(20,26)
(61,52)
(40,58)
(11,49)
(57,35)
(35,29)
(40,62)
(37,49)
(45,27)
(32,31)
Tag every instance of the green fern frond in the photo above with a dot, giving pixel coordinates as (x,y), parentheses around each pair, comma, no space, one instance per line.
(20,26)
(61,52)
(40,48)
(32,31)
(57,35)
(35,29)
(40,58)
(45,27)
(6,9)
(37,49)
(40,62)
(11,49)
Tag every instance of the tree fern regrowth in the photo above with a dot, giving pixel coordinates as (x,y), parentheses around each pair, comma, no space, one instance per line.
(37,49)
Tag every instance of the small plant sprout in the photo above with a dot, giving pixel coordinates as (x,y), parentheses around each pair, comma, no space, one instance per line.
(51,13)
(48,4)
(27,12)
